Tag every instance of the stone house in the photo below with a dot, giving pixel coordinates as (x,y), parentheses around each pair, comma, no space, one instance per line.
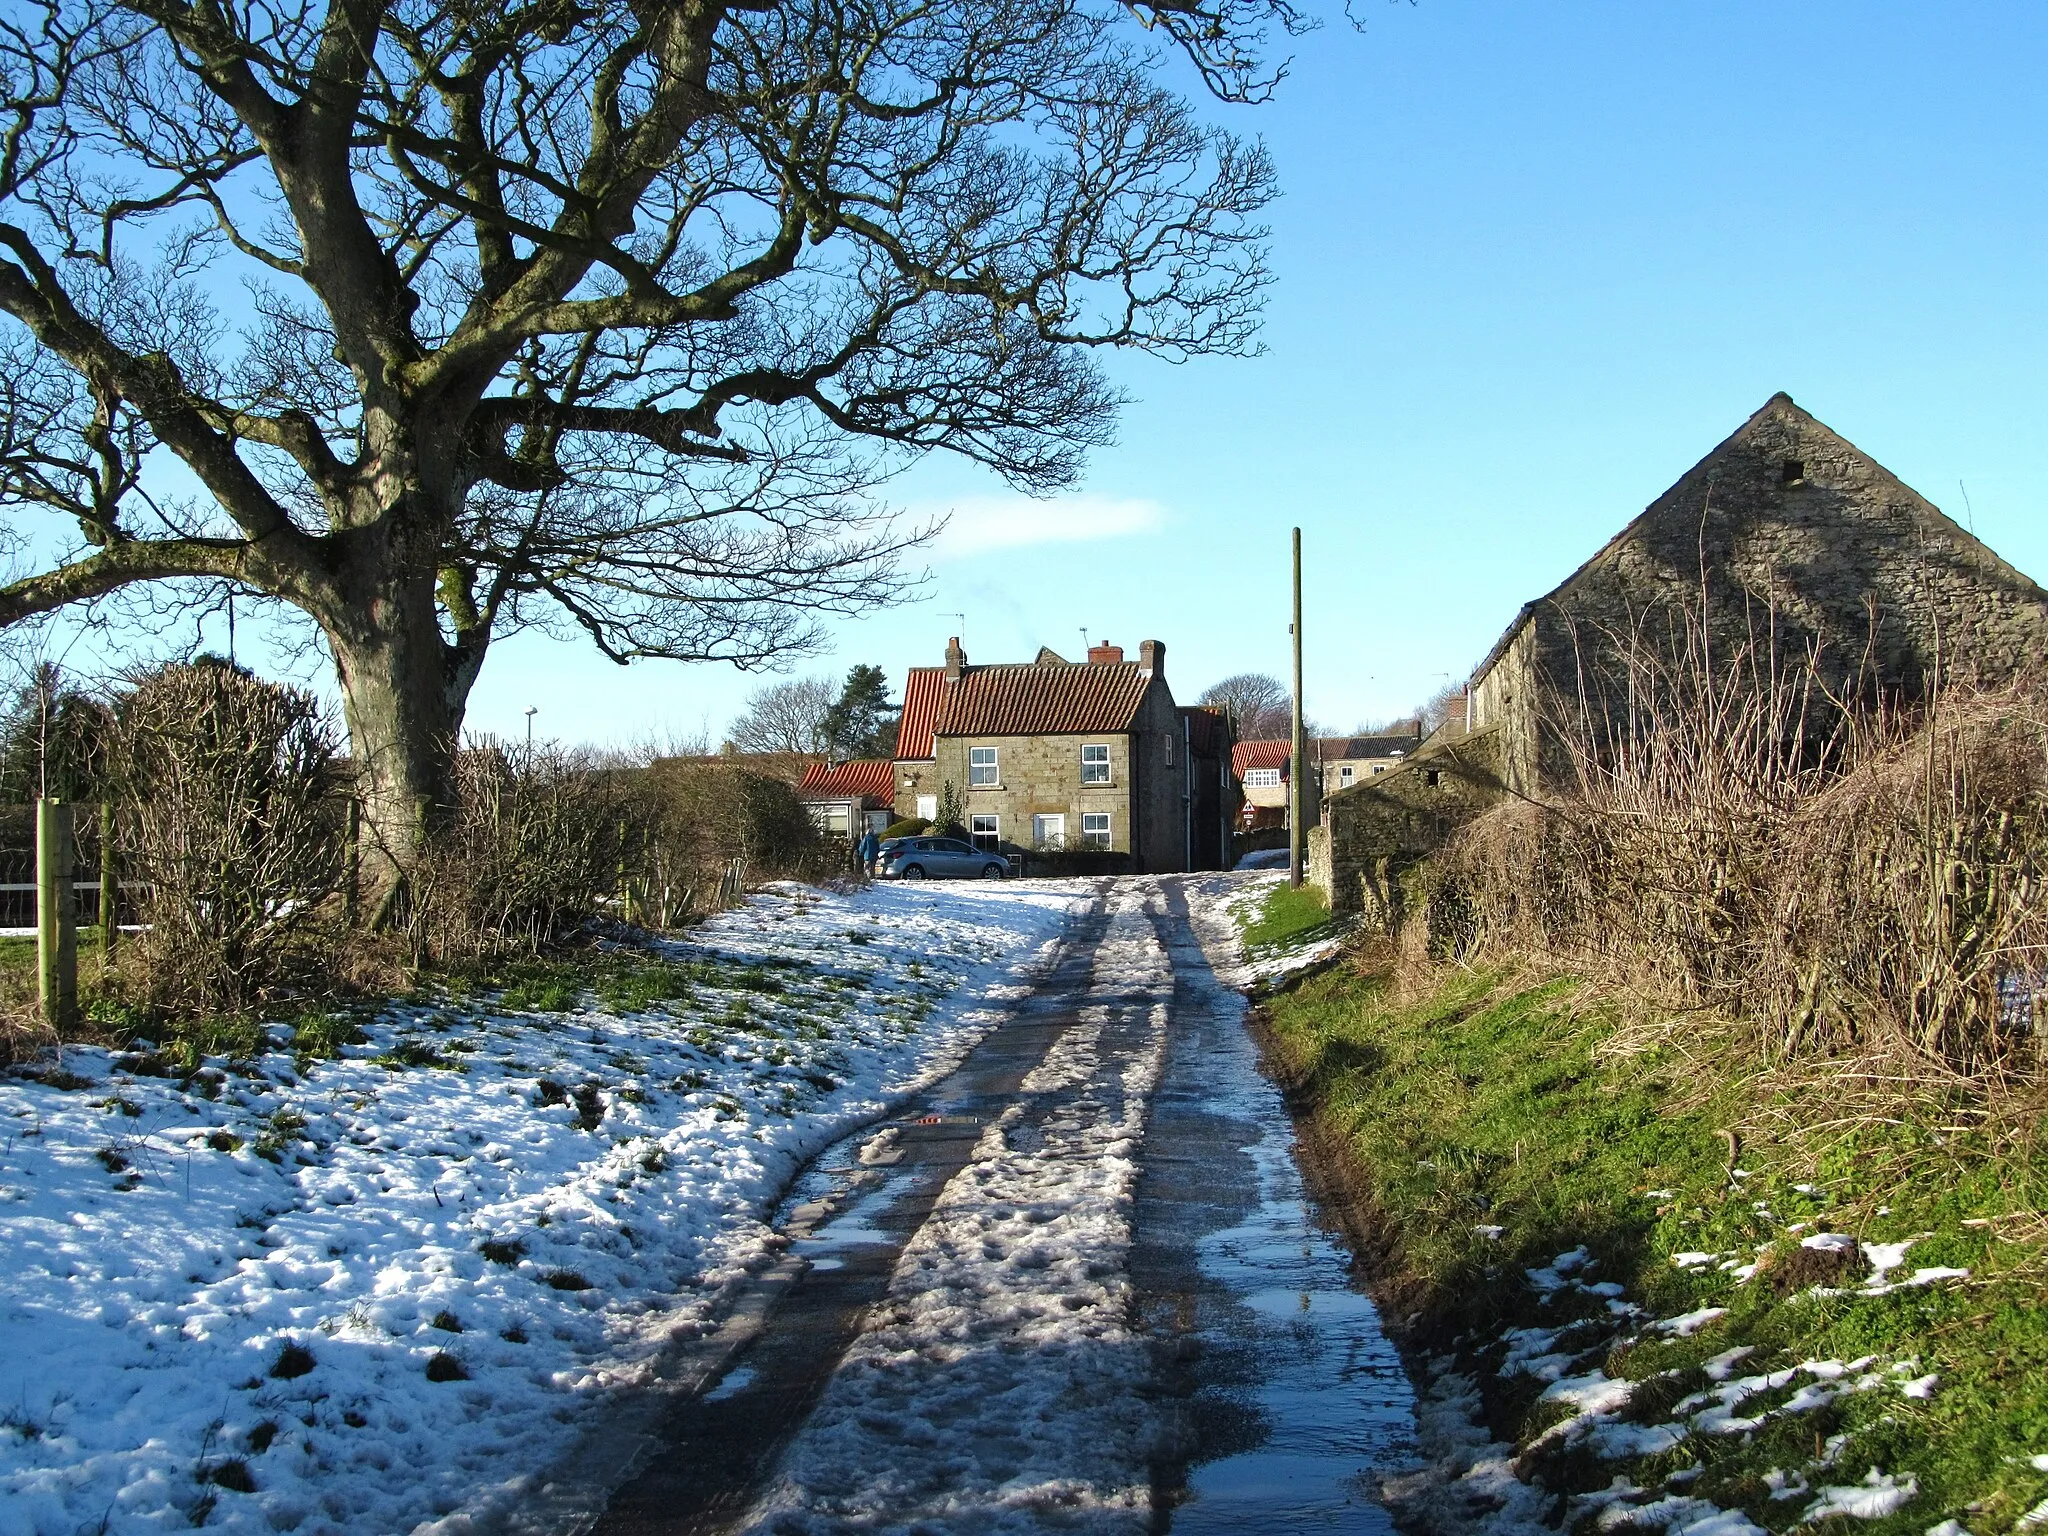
(1785,536)
(1059,756)
(850,798)
(1262,770)
(1341,761)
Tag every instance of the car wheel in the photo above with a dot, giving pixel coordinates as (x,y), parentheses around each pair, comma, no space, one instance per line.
(993,872)
(913,872)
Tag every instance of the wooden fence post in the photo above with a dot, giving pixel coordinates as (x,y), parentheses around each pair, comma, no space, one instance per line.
(56,917)
(110,887)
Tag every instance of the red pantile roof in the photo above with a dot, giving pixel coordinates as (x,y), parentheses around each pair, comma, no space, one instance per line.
(921,690)
(1247,755)
(868,779)
(1042,699)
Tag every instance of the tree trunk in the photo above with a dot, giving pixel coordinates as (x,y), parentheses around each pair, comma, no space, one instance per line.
(403,721)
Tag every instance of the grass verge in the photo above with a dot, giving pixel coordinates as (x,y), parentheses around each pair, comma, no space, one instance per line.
(1286,916)
(1557,1211)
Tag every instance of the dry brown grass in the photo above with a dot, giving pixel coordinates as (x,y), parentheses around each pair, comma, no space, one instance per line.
(1852,897)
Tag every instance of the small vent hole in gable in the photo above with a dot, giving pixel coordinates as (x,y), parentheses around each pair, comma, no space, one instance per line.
(1792,472)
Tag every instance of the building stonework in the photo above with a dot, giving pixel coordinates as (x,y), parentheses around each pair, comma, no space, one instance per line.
(1380,827)
(1786,540)
(1041,776)
(1787,537)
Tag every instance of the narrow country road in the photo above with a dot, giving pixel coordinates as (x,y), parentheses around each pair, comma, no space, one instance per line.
(1077,1288)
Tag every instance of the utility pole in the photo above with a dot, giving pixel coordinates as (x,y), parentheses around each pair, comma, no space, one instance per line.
(1296,830)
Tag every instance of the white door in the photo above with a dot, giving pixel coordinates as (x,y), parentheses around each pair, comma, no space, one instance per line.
(928,806)
(1048,831)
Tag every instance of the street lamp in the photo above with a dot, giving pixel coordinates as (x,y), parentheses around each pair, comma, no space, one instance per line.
(531,711)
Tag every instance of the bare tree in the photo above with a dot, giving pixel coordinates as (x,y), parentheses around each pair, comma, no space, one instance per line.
(1259,705)
(602,316)
(786,717)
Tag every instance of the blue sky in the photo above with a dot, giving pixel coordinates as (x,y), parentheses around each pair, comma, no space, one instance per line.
(1533,261)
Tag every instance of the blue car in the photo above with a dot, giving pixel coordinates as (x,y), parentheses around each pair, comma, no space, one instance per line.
(938,858)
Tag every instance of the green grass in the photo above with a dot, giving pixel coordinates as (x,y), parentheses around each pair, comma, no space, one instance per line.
(1288,915)
(1476,1107)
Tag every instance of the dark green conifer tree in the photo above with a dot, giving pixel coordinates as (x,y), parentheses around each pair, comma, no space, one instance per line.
(862,722)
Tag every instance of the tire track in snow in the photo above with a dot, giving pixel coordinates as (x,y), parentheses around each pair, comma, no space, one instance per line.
(998,1385)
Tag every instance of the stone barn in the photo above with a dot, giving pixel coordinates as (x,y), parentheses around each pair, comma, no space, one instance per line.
(1786,536)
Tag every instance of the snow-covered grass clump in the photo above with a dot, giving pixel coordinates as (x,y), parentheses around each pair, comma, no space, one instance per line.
(330,1296)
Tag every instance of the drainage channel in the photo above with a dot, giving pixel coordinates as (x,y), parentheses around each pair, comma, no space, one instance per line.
(1282,1394)
(848,1217)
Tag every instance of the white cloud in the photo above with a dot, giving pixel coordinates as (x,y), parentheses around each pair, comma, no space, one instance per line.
(983,523)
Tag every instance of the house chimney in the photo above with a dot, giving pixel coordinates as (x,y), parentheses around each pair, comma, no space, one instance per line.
(1152,657)
(1105,655)
(956,659)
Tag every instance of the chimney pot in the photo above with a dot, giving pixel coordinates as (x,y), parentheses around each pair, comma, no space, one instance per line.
(1105,655)
(956,659)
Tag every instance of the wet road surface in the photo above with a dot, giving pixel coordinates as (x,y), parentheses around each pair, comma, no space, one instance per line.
(1078,1286)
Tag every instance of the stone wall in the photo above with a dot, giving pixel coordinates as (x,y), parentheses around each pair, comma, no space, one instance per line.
(1375,830)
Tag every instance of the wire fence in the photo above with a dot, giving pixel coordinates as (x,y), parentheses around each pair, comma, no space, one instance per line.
(18,870)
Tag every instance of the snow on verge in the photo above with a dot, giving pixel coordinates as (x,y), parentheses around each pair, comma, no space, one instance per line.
(458,1238)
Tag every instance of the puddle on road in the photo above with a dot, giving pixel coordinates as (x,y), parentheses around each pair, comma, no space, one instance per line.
(1295,1398)
(1330,1393)
(856,1209)
(736,1381)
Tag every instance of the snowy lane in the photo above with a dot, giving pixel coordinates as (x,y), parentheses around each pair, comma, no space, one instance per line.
(995,1386)
(1000,1330)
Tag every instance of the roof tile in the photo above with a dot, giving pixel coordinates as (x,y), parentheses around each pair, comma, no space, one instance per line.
(1042,699)
(1260,754)
(921,691)
(866,778)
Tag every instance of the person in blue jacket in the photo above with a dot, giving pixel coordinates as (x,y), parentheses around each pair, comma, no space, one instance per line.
(870,846)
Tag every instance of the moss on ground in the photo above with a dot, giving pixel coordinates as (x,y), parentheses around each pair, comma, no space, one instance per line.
(1494,1128)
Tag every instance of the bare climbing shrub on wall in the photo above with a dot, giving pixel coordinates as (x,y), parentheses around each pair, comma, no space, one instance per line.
(232,791)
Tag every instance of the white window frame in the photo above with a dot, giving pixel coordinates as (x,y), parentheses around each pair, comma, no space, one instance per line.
(976,769)
(1346,773)
(1093,836)
(993,831)
(1049,830)
(1262,778)
(928,807)
(1089,765)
